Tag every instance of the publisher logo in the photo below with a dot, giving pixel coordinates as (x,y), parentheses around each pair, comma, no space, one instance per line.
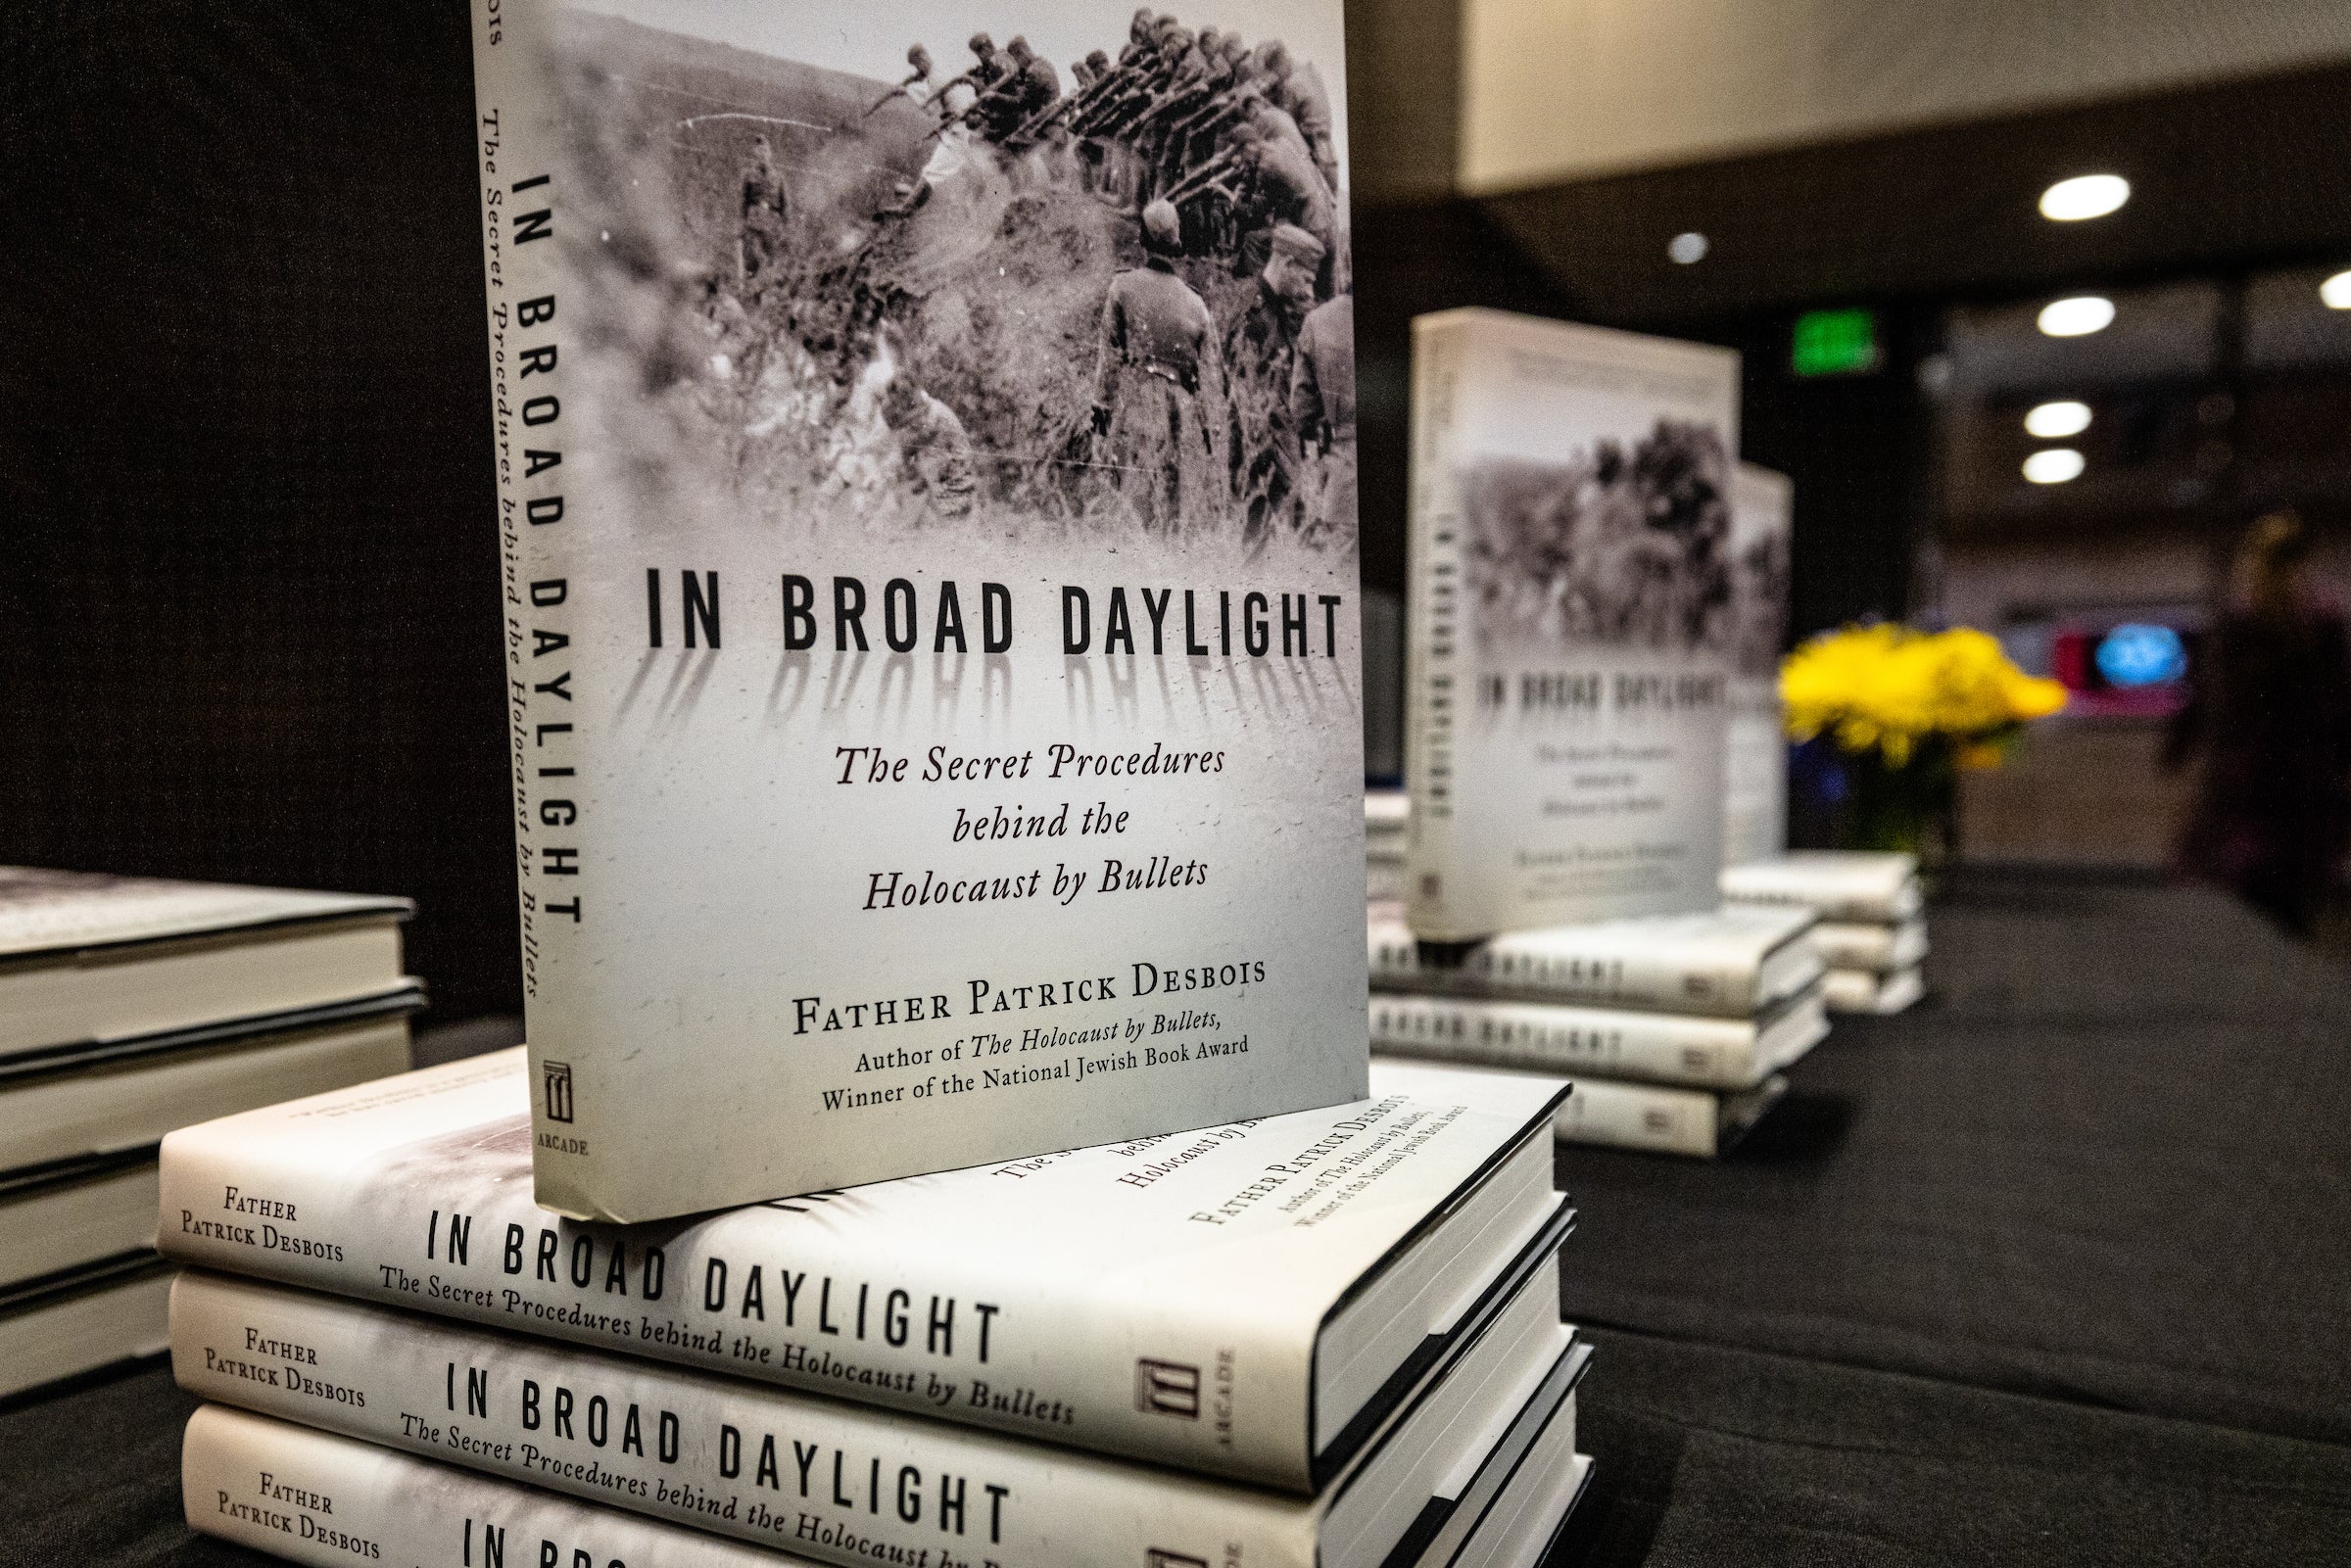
(558,1091)
(1156,1558)
(1167,1387)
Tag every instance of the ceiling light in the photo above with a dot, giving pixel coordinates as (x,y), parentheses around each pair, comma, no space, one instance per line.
(2069,201)
(2053,465)
(2336,292)
(1685,249)
(2077,317)
(2054,421)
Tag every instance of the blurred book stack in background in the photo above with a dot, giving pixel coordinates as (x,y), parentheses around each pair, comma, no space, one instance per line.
(1872,934)
(129,1007)
(1599,592)
(1677,1029)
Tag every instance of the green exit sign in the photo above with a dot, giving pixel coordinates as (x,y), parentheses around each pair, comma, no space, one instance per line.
(1833,343)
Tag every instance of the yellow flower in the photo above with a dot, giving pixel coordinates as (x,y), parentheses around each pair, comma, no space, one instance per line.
(1889,687)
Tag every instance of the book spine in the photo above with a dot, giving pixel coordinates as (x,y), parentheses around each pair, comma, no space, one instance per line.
(1659,1047)
(831,1481)
(326,1502)
(534,414)
(1433,665)
(745,1294)
(1556,973)
(1637,1115)
(1850,945)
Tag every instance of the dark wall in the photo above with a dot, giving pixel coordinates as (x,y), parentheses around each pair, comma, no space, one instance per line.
(248,568)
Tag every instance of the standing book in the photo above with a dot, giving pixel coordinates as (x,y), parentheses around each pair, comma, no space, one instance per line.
(1755,815)
(929,583)
(1249,1298)
(1571,623)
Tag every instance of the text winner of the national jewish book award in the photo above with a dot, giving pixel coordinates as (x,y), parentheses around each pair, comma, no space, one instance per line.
(926,472)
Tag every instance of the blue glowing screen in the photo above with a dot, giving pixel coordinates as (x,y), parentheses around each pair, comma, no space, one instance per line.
(2137,654)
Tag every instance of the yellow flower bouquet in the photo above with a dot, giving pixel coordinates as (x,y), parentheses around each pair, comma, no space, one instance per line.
(1904,708)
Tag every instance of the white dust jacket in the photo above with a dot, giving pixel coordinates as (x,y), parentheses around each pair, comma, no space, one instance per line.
(1571,623)
(1036,1296)
(930,620)
(1754,825)
(837,1481)
(329,1501)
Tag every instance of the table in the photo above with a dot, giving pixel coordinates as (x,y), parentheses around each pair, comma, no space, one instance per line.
(2055,1267)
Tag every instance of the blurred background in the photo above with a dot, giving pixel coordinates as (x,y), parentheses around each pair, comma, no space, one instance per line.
(247,561)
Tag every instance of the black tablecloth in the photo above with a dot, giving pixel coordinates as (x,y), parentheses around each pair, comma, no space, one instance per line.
(2054,1269)
(2106,1162)
(1711,1457)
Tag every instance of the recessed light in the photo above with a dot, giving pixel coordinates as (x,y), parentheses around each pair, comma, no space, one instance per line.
(2069,201)
(2053,465)
(1685,249)
(2054,421)
(2336,292)
(2077,317)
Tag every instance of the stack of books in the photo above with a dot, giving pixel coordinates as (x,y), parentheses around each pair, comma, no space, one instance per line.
(131,1006)
(1676,1029)
(1330,1337)
(1873,925)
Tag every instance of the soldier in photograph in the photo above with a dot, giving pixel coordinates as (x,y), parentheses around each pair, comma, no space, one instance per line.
(1296,86)
(914,86)
(1282,185)
(1323,408)
(765,207)
(1260,352)
(1153,380)
(934,452)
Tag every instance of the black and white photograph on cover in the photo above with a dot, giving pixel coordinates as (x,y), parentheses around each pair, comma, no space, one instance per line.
(987,267)
(1761,554)
(1625,546)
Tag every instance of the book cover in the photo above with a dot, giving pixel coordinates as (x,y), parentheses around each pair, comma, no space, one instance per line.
(1178,1299)
(1864,885)
(1573,621)
(926,480)
(1867,945)
(1734,963)
(314,1497)
(1755,771)
(1674,1048)
(1660,1119)
(840,1481)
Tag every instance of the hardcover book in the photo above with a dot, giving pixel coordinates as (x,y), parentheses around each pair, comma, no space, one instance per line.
(68,1213)
(1738,961)
(67,1104)
(1677,1048)
(840,1481)
(926,482)
(1867,945)
(89,959)
(1248,1299)
(1868,991)
(1754,818)
(1661,1118)
(1866,885)
(1572,620)
(82,1320)
(320,1500)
